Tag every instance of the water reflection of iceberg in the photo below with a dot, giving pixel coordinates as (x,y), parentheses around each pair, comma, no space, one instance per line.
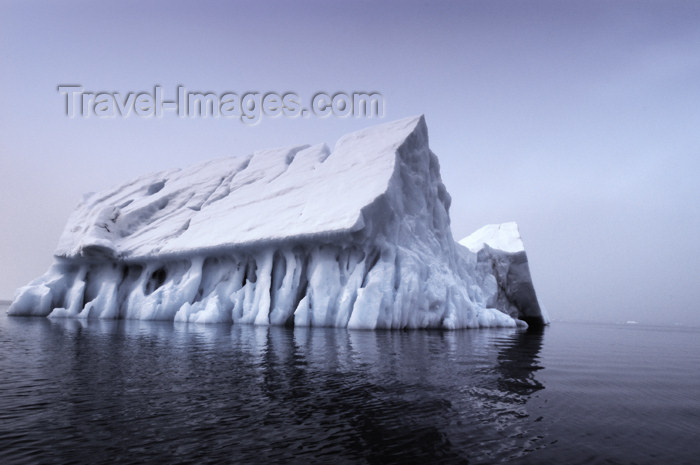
(395,396)
(284,395)
(501,396)
(518,361)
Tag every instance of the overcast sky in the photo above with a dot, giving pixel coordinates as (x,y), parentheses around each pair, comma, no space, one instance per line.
(578,120)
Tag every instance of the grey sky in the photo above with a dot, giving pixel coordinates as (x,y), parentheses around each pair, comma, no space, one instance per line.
(578,120)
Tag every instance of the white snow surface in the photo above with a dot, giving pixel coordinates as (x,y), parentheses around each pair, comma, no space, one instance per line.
(271,195)
(504,237)
(355,237)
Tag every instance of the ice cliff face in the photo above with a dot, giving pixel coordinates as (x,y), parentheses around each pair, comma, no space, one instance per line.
(358,237)
(503,273)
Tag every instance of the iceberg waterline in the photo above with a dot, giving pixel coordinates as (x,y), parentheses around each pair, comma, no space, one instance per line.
(356,237)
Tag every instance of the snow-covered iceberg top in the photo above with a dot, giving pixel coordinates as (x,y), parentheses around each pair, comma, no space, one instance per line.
(504,237)
(270,195)
(355,237)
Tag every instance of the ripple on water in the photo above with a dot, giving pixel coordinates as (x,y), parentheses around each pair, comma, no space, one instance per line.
(135,392)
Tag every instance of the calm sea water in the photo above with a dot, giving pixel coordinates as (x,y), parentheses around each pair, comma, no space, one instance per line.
(134,392)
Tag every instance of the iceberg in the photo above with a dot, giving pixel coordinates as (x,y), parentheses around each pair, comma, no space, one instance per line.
(501,260)
(357,237)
